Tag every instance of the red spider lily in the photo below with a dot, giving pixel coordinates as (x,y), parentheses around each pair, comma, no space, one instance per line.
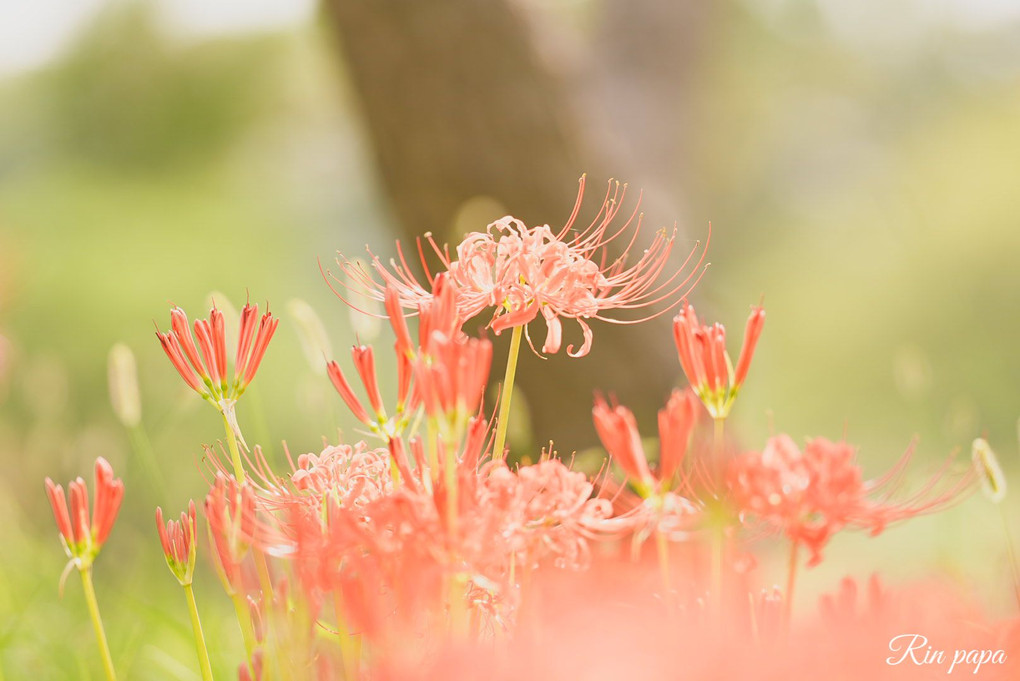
(230,511)
(444,361)
(545,509)
(388,549)
(355,475)
(676,423)
(204,368)
(436,313)
(83,538)
(523,272)
(618,431)
(451,374)
(814,493)
(180,546)
(703,357)
(364,363)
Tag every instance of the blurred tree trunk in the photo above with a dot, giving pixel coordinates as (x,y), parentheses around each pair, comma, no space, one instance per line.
(459,104)
(638,91)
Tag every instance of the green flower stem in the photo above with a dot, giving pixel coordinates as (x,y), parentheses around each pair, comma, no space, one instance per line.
(718,519)
(97,623)
(196,625)
(718,448)
(235,454)
(244,621)
(507,392)
(350,644)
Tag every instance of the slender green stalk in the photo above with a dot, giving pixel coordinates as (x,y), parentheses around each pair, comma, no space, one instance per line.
(791,579)
(507,392)
(450,480)
(196,625)
(718,518)
(235,454)
(1014,568)
(432,448)
(265,581)
(350,644)
(244,622)
(718,449)
(97,623)
(266,585)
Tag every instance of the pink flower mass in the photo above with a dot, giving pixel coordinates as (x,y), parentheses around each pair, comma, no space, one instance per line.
(813,493)
(419,545)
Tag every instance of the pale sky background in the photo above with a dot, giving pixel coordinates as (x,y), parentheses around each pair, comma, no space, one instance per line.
(32,32)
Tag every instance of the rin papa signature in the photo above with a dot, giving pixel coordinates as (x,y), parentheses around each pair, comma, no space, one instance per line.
(915,649)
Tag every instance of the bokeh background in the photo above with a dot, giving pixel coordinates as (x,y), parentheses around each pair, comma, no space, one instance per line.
(858,160)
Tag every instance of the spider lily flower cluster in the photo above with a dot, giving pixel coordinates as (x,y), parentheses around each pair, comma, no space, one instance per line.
(703,356)
(617,428)
(207,373)
(383,558)
(813,493)
(84,537)
(180,544)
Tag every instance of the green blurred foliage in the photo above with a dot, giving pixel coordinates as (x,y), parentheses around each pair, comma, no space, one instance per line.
(146,103)
(136,171)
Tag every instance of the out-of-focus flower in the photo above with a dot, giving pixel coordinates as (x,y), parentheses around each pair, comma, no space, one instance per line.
(617,429)
(355,475)
(676,423)
(253,674)
(83,538)
(230,511)
(180,546)
(703,357)
(523,272)
(451,374)
(812,494)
